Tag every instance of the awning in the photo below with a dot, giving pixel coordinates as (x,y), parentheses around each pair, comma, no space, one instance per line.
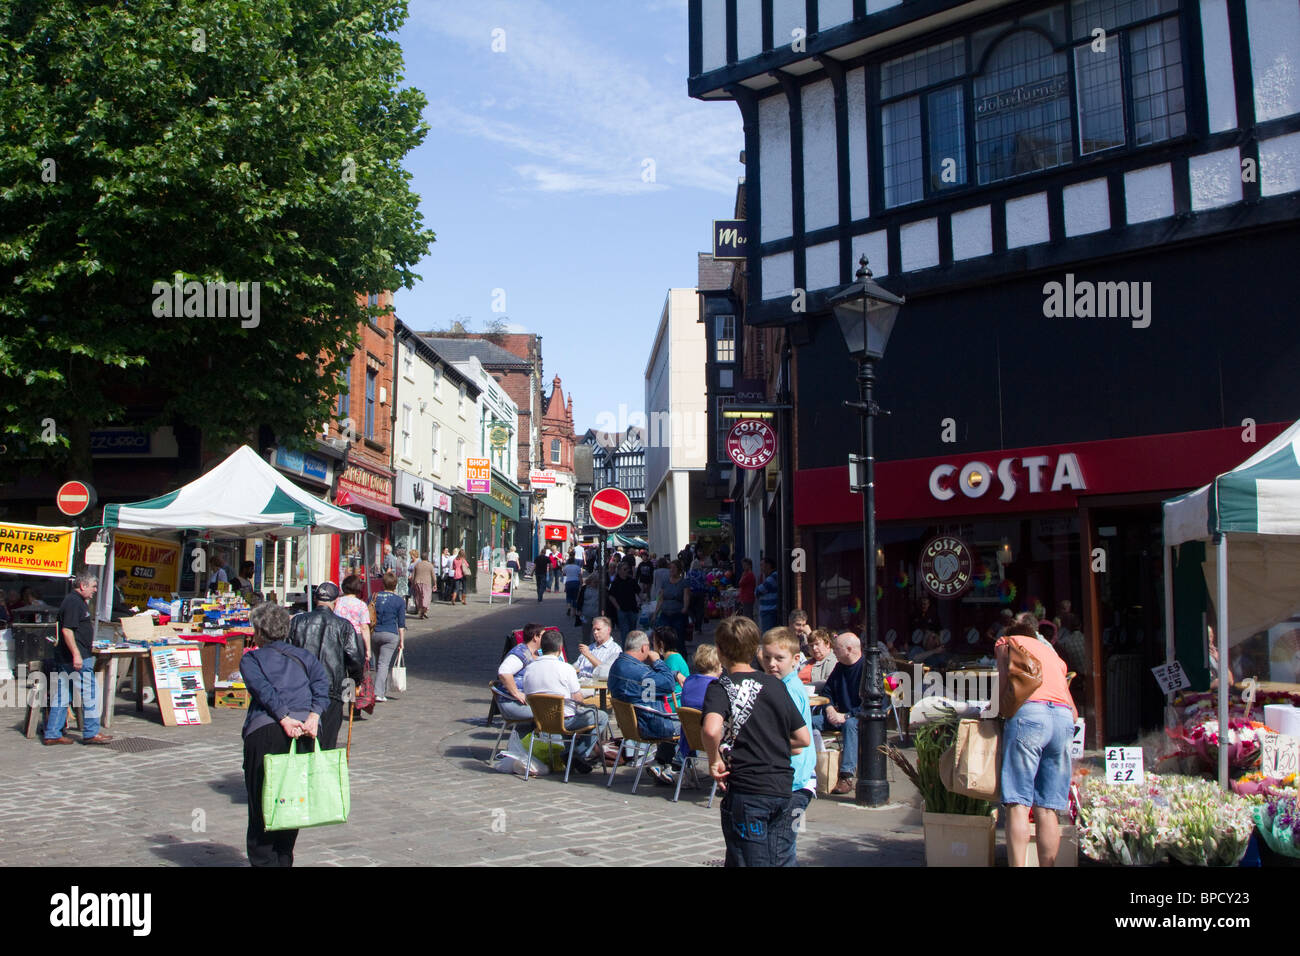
(361,503)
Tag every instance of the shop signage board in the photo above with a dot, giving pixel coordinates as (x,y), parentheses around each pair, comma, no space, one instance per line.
(751,443)
(945,566)
(556,532)
(35,549)
(1034,473)
(499,436)
(414,492)
(152,567)
(113,442)
(544,476)
(1124,766)
(478,476)
(302,463)
(1171,677)
(367,483)
(610,508)
(730,240)
(74,498)
(441,501)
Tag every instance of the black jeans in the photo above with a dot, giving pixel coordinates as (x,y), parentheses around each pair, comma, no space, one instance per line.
(330,722)
(265,849)
(757,829)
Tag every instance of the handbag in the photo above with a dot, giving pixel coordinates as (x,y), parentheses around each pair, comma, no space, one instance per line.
(365,693)
(307,789)
(397,672)
(970,765)
(374,618)
(1024,675)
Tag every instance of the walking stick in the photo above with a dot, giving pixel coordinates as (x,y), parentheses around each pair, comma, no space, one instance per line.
(352,709)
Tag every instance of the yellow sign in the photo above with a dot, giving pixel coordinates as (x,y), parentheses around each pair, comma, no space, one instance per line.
(33,549)
(499,437)
(152,567)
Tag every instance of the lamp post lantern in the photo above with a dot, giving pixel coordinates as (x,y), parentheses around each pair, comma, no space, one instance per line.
(866,314)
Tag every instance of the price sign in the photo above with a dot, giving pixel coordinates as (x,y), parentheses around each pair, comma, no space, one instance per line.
(1171,677)
(97,554)
(1076,742)
(1124,765)
(1279,755)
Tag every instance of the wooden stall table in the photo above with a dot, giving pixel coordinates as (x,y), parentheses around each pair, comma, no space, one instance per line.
(106,676)
(108,688)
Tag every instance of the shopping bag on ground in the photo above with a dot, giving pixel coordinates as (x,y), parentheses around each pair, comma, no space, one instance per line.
(305,789)
(514,759)
(970,765)
(397,673)
(551,754)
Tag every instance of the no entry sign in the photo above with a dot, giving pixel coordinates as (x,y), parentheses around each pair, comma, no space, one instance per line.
(74,498)
(610,509)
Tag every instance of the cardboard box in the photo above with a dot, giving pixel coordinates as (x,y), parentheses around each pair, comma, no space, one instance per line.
(233,697)
(958,839)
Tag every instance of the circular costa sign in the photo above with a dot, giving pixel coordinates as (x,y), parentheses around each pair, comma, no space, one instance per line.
(751,443)
(946,566)
(610,509)
(74,497)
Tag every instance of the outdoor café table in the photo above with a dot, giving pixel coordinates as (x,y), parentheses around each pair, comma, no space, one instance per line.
(597,685)
(817,700)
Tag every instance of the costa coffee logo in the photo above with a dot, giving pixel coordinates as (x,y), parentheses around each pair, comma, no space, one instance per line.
(975,477)
(946,566)
(751,443)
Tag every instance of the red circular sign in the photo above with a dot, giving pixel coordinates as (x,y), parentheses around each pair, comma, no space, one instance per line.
(610,509)
(74,498)
(751,443)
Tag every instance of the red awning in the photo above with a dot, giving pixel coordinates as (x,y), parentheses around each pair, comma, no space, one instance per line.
(356,502)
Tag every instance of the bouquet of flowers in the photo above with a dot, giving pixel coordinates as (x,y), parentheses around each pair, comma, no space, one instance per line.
(1201,739)
(1277,819)
(1188,819)
(1261,787)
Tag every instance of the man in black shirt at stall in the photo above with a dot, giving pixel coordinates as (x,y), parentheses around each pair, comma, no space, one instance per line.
(73,662)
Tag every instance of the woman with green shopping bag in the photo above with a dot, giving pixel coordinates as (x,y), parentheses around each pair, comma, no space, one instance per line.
(288,690)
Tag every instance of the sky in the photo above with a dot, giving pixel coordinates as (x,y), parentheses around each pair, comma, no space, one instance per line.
(568,169)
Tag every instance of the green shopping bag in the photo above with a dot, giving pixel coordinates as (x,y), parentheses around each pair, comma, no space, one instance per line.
(548,753)
(307,789)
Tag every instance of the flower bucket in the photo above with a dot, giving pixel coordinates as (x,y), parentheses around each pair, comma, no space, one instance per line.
(958,839)
(1067,855)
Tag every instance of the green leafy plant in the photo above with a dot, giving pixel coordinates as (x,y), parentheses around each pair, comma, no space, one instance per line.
(931,740)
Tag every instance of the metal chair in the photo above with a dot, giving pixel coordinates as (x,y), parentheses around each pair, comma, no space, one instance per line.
(548,718)
(625,714)
(506,722)
(693,730)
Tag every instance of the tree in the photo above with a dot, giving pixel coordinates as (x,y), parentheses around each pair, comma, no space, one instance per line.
(215,140)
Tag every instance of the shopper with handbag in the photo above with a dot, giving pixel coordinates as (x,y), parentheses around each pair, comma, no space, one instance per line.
(288,691)
(1034,698)
(388,618)
(459,571)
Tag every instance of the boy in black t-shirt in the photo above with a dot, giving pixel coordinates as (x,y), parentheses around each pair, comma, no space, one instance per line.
(751,729)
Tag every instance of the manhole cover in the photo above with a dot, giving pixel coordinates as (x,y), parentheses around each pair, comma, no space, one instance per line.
(139,745)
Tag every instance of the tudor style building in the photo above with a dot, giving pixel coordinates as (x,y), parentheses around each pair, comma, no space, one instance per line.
(993,159)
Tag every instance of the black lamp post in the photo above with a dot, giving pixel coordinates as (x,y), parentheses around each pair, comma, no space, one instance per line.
(866,314)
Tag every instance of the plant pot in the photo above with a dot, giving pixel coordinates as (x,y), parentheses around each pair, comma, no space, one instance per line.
(1067,855)
(958,839)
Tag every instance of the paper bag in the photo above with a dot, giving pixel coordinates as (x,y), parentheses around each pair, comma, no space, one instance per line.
(828,770)
(970,765)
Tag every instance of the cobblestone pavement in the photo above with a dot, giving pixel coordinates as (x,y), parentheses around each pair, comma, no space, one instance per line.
(422,791)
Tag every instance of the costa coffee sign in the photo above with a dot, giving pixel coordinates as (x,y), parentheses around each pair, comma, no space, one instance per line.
(975,478)
(364,482)
(751,443)
(945,566)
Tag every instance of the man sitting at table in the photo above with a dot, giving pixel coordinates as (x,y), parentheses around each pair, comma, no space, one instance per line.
(596,659)
(638,677)
(842,711)
(550,675)
(511,701)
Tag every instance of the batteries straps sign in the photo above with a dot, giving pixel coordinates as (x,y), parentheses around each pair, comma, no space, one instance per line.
(33,549)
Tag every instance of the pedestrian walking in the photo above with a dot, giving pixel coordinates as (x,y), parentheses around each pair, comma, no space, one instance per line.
(459,571)
(769,597)
(423,575)
(445,576)
(542,574)
(334,642)
(389,633)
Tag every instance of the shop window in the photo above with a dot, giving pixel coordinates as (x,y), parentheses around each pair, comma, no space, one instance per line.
(1022,110)
(725,333)
(371,379)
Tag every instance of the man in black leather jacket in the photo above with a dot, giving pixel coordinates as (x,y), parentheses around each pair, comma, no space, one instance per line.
(335,644)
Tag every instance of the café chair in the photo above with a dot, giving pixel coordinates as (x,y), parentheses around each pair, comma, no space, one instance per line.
(625,714)
(506,722)
(548,718)
(693,730)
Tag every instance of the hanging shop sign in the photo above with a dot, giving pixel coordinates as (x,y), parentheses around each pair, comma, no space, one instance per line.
(556,532)
(478,476)
(367,483)
(152,567)
(730,241)
(499,436)
(945,567)
(751,443)
(975,478)
(34,549)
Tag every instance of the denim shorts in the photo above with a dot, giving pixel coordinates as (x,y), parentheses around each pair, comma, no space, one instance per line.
(1036,756)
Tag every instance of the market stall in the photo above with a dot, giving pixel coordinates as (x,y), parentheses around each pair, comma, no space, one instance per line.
(1257,506)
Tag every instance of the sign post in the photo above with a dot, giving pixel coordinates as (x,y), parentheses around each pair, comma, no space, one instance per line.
(610,510)
(74,499)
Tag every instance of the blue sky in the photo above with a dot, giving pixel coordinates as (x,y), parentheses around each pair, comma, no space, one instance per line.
(534,178)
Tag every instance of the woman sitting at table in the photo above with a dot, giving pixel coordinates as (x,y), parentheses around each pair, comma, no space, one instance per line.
(288,691)
(823,660)
(931,652)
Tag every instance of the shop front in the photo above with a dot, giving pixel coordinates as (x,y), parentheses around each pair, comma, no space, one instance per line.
(368,492)
(464,531)
(1069,532)
(498,516)
(413,497)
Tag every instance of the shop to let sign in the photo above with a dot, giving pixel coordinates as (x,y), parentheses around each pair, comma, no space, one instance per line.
(1124,765)
(33,549)
(478,476)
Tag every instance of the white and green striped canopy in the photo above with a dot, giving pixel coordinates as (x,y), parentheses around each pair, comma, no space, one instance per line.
(1259,496)
(243,496)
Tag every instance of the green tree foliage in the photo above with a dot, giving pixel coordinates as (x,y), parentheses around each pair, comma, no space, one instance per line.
(224,140)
